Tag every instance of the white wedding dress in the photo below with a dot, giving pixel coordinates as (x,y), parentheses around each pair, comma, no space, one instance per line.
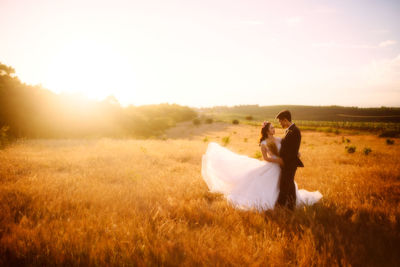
(246,182)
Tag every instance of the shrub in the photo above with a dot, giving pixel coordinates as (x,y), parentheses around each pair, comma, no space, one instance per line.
(245,140)
(225,140)
(235,121)
(209,120)
(249,118)
(257,155)
(367,150)
(390,134)
(350,149)
(196,121)
(389,142)
(345,140)
(205,139)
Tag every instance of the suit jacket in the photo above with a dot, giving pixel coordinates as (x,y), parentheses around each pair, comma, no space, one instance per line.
(290,147)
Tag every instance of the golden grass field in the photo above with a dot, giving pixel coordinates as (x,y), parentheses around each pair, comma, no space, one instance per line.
(126,202)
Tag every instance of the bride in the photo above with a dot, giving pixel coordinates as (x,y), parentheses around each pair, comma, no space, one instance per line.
(246,182)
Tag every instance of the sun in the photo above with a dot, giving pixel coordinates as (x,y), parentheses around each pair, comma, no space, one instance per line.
(92,69)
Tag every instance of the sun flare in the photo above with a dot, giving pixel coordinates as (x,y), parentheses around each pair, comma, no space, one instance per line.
(91,69)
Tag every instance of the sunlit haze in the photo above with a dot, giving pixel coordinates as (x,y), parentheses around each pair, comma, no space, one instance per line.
(207,53)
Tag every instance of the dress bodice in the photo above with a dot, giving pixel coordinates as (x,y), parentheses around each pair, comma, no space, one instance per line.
(277,142)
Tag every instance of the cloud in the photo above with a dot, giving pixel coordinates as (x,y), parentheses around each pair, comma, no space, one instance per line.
(353,46)
(387,43)
(323,10)
(383,73)
(338,45)
(292,21)
(252,22)
(380,31)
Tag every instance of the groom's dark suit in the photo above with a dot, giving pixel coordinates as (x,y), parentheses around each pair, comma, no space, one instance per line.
(289,153)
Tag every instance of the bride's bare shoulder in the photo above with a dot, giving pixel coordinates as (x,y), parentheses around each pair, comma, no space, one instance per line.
(263,143)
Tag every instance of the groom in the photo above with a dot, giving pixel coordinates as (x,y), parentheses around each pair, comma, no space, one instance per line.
(290,161)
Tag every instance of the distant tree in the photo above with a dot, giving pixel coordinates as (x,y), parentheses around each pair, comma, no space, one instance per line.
(112,100)
(6,70)
(3,136)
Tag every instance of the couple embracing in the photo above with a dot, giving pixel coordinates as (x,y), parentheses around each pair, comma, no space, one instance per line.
(249,183)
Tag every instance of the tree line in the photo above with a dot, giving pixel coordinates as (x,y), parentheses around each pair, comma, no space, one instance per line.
(35,112)
(311,113)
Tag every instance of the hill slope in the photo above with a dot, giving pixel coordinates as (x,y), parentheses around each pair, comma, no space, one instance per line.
(314,113)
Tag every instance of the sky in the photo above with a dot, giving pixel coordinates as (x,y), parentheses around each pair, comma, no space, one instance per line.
(210,52)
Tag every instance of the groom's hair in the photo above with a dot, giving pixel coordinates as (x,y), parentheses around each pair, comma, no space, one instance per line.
(284,114)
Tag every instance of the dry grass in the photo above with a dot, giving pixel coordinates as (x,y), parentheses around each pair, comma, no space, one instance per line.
(143,202)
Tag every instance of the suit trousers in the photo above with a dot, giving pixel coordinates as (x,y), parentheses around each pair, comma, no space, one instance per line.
(287,189)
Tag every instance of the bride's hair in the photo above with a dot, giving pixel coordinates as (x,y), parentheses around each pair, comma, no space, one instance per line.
(264,131)
(264,135)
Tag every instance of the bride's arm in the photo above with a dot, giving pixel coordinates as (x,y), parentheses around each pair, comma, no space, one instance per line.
(267,158)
